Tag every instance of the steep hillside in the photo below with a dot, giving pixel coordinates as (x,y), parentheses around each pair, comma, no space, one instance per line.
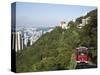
(53,50)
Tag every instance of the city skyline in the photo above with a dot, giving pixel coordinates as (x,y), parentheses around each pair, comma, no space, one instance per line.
(47,15)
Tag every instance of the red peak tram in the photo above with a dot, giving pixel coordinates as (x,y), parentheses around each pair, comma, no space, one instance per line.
(81,55)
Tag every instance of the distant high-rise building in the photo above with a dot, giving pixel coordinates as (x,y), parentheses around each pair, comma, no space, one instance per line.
(13,37)
(17,41)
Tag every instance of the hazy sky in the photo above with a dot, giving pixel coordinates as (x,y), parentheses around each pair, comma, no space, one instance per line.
(40,14)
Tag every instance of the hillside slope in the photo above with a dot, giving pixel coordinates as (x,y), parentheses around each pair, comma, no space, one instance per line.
(53,50)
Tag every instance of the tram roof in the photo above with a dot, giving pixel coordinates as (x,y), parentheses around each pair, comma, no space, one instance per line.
(79,48)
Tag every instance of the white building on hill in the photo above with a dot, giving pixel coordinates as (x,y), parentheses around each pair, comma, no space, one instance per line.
(63,25)
(84,22)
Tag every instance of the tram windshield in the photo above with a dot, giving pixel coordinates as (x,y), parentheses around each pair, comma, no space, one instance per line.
(82,50)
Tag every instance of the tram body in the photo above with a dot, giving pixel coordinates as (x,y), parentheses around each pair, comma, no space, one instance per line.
(81,55)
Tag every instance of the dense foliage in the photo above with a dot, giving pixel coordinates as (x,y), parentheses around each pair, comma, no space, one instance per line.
(89,35)
(53,51)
